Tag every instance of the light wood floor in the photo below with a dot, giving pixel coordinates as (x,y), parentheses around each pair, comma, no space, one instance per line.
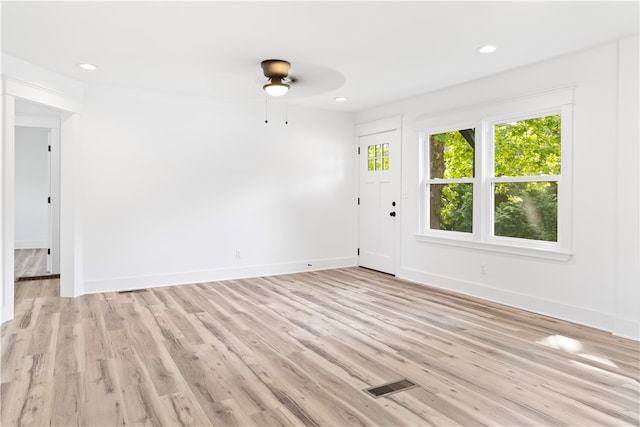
(298,350)
(30,262)
(46,288)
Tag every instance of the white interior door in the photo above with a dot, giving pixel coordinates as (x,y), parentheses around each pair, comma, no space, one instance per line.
(379,200)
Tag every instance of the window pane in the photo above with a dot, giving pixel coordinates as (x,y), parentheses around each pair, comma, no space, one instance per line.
(385,163)
(451,207)
(370,152)
(452,154)
(385,150)
(526,210)
(528,147)
(370,168)
(378,151)
(378,164)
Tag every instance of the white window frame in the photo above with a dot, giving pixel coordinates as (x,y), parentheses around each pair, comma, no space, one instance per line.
(483,119)
(427,181)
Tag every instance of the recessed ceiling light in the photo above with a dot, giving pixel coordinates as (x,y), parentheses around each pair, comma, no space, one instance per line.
(340,99)
(89,67)
(487,49)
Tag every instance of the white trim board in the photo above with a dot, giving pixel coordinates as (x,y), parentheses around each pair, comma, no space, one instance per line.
(116,284)
(569,313)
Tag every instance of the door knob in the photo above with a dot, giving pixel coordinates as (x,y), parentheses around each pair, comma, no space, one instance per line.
(392,214)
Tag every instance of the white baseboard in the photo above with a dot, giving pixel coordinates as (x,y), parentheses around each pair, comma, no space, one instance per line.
(31,244)
(580,315)
(117,284)
(627,328)
(6,312)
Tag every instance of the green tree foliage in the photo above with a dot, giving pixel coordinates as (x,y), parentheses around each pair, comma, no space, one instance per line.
(526,148)
(527,211)
(452,156)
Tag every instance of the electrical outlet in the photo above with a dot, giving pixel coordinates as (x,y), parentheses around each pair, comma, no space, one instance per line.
(483,268)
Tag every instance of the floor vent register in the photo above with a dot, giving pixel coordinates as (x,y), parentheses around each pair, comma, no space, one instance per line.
(390,388)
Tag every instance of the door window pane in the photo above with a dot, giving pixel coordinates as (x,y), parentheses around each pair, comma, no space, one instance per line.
(378,157)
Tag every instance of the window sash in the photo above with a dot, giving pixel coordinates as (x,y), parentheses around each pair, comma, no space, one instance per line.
(532,178)
(532,223)
(425,226)
(450,181)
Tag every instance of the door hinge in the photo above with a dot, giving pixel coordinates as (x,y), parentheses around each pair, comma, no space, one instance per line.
(49,148)
(48,251)
(358,251)
(48,199)
(358,201)
(358,150)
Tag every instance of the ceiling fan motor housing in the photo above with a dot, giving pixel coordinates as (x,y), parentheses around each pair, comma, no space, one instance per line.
(275,68)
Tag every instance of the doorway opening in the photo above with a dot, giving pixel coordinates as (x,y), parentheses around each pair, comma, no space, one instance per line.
(63,103)
(36,203)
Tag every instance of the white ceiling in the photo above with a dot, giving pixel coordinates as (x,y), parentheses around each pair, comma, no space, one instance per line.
(370,52)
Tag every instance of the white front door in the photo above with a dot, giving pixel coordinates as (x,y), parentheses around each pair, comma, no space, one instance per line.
(379,220)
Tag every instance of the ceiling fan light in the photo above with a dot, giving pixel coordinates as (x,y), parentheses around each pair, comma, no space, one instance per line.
(276,89)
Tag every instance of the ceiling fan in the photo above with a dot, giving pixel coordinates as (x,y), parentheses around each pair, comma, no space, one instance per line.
(277,71)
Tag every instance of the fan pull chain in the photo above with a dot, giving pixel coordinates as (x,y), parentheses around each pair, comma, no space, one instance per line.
(286,109)
(266,109)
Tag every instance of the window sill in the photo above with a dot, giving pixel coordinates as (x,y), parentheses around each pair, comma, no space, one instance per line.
(545,253)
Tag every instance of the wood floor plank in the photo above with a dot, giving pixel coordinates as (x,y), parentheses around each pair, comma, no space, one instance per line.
(143,406)
(70,353)
(299,349)
(68,400)
(30,403)
(276,417)
(184,412)
(103,398)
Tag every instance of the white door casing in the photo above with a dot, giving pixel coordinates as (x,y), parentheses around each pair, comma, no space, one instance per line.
(379,195)
(70,104)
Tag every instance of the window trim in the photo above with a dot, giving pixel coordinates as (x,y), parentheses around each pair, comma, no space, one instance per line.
(483,119)
(497,247)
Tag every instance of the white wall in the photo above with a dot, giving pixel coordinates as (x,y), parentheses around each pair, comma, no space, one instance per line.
(592,287)
(627,188)
(32,188)
(175,185)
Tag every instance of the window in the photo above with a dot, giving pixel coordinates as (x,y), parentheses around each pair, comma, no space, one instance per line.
(526,172)
(378,157)
(451,172)
(498,182)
